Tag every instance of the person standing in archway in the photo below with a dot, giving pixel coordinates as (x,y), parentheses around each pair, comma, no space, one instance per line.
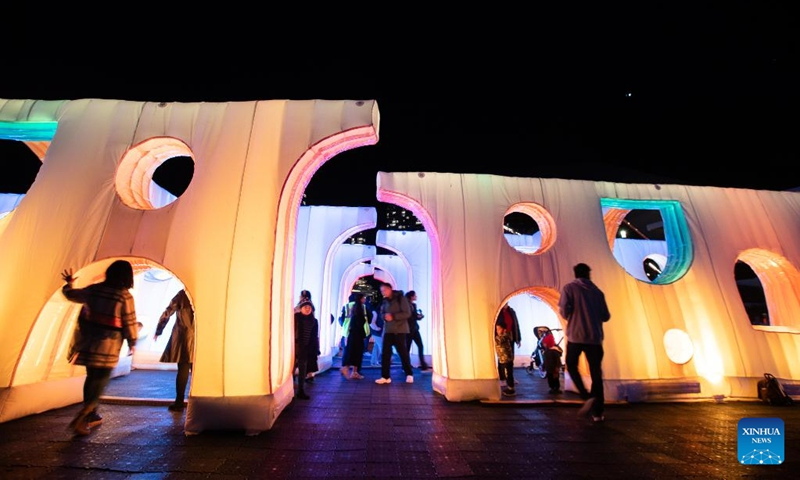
(507,318)
(180,348)
(306,343)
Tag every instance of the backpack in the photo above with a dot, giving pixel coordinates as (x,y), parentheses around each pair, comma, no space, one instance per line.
(771,392)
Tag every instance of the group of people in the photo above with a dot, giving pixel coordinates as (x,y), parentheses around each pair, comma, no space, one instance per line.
(582,304)
(393,326)
(362,323)
(106,320)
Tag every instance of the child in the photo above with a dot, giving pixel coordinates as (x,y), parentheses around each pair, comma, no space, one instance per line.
(505,357)
(552,363)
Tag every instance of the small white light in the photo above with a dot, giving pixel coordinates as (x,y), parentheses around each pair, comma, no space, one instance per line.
(678,345)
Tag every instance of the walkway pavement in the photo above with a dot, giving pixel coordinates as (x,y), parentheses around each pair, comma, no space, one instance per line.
(357,429)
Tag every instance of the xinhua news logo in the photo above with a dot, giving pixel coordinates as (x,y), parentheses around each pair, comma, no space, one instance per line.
(761,441)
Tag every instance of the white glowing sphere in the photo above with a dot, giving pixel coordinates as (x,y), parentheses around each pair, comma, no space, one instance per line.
(678,345)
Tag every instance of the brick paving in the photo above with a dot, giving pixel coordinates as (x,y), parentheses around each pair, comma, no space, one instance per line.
(357,429)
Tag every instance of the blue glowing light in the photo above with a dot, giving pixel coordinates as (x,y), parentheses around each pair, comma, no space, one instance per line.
(28,131)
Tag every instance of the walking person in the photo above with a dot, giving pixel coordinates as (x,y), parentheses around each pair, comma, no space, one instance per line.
(508,318)
(414,336)
(395,311)
(583,305)
(108,318)
(306,343)
(180,347)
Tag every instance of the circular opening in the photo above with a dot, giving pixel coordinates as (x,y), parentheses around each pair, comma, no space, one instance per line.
(154,173)
(678,345)
(528,228)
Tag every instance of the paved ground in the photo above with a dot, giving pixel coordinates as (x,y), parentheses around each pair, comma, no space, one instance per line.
(355,428)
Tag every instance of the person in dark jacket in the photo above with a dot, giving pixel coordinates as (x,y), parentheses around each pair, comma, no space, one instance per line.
(306,343)
(107,318)
(414,335)
(180,348)
(313,365)
(583,306)
(355,330)
(395,311)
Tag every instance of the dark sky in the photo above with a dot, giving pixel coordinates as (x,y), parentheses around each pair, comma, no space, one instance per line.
(697,95)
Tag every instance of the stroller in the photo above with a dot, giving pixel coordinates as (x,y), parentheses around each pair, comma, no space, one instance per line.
(537,357)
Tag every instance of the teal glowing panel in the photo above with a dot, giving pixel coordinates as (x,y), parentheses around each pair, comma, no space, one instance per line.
(676,234)
(28,131)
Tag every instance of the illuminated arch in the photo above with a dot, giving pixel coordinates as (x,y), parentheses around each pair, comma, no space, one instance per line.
(404,259)
(327,282)
(676,232)
(532,318)
(44,354)
(281,332)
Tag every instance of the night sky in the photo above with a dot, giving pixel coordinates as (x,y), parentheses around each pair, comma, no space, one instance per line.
(689,95)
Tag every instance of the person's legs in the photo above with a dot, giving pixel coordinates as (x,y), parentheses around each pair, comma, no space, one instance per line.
(386,354)
(573,354)
(377,351)
(594,356)
(346,359)
(93,387)
(552,365)
(358,357)
(416,338)
(405,358)
(501,371)
(302,368)
(181,380)
(96,381)
(510,375)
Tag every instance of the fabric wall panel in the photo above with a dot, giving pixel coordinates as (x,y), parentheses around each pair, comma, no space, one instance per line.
(704,302)
(220,238)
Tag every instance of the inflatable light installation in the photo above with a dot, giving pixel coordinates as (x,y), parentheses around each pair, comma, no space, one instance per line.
(692,306)
(231,240)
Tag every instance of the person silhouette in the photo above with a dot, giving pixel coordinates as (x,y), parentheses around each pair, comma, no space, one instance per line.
(180,348)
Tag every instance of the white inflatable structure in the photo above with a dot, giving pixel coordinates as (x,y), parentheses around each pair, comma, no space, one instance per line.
(235,239)
(685,334)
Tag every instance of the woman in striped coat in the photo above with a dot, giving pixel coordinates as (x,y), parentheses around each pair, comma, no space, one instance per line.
(107,318)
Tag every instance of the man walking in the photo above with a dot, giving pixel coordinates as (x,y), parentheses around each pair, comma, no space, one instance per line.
(583,306)
(395,312)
